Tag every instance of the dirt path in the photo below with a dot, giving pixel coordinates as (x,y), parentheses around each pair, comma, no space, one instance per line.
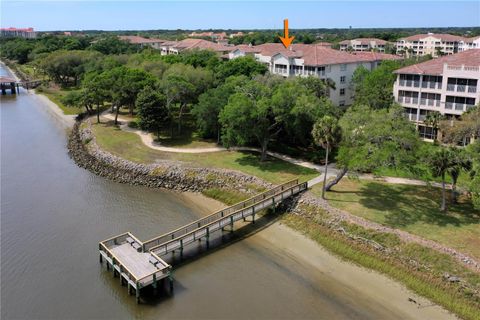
(148,140)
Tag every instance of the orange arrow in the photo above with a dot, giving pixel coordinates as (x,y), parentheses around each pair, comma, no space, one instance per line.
(286,40)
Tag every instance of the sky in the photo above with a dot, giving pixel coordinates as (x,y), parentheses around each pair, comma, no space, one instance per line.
(146,15)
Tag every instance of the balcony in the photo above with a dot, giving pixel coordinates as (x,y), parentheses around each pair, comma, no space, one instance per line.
(409,83)
(461,88)
(449,105)
(459,106)
(431,85)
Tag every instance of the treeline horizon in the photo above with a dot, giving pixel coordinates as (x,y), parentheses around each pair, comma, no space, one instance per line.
(311,34)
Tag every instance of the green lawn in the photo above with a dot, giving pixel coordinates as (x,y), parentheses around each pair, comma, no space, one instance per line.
(129,146)
(186,140)
(411,208)
(421,170)
(56,95)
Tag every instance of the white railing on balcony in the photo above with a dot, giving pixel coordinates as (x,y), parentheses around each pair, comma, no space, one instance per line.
(472,89)
(469,106)
(450,87)
(460,88)
(448,105)
(459,106)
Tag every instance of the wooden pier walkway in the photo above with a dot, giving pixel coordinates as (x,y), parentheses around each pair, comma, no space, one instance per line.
(139,264)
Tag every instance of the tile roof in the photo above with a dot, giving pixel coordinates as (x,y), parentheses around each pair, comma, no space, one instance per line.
(435,66)
(441,36)
(188,44)
(318,54)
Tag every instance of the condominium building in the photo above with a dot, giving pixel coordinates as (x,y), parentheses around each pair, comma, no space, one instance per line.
(143,42)
(432,44)
(175,47)
(27,33)
(363,44)
(449,85)
(314,60)
(469,43)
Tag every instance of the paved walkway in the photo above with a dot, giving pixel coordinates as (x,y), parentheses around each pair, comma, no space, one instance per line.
(148,140)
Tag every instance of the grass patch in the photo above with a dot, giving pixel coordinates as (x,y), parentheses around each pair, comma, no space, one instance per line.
(429,285)
(187,139)
(129,146)
(411,208)
(56,96)
(229,197)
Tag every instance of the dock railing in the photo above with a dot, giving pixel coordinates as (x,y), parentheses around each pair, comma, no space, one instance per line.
(147,245)
(116,264)
(262,202)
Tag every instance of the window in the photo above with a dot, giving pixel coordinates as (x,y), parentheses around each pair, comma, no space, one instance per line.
(342,92)
(341,103)
(342,79)
(343,67)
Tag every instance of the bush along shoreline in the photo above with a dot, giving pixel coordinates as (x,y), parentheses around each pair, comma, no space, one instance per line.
(435,275)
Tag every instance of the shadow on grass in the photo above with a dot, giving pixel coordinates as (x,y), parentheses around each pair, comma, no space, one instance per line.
(273,165)
(405,205)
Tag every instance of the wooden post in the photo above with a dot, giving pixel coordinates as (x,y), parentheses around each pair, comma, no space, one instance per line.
(170,280)
(101,259)
(129,287)
(181,249)
(253,214)
(137,292)
(18,89)
(208,238)
(231,223)
(113,266)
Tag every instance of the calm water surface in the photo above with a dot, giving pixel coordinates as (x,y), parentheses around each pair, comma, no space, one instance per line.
(53,214)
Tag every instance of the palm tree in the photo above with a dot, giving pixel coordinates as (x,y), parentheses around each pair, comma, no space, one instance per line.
(433,120)
(326,133)
(460,162)
(440,162)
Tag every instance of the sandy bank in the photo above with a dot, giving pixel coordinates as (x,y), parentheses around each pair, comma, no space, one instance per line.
(366,290)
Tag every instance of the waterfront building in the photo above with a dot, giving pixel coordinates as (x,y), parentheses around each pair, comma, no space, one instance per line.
(429,44)
(449,85)
(27,33)
(150,42)
(363,44)
(314,60)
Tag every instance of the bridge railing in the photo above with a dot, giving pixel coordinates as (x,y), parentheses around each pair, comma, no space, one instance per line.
(207,229)
(147,245)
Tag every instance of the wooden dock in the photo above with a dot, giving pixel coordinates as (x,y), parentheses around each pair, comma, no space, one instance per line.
(139,264)
(7,83)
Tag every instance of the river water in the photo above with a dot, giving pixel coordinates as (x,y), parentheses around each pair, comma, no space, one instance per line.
(53,214)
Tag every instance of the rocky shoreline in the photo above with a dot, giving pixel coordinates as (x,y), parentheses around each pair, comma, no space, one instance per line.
(182,177)
(84,150)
